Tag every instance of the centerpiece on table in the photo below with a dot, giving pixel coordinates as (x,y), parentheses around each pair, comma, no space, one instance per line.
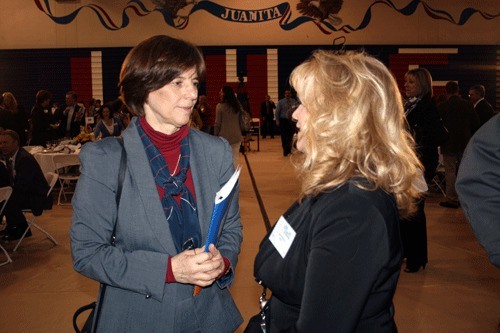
(83,138)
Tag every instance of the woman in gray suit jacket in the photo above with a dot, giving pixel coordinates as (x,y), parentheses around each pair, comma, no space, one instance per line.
(333,259)
(172,175)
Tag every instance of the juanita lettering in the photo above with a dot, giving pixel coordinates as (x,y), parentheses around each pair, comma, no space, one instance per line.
(251,15)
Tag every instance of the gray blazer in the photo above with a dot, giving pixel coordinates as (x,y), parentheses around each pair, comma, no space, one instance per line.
(137,298)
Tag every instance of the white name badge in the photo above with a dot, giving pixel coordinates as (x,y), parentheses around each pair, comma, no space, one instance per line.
(282,236)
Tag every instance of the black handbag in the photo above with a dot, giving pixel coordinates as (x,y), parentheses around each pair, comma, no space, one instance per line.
(260,322)
(87,327)
(95,307)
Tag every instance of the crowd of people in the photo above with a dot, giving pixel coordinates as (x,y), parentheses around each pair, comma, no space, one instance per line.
(364,155)
(48,121)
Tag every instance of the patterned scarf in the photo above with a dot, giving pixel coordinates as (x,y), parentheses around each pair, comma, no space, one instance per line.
(183,218)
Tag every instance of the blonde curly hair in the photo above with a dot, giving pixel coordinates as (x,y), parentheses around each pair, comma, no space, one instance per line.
(356,128)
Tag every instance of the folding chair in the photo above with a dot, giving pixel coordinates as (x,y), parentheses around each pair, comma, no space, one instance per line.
(5,193)
(438,182)
(256,130)
(67,175)
(52,180)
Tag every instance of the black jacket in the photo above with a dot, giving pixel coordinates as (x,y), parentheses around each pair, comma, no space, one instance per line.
(425,124)
(29,181)
(41,132)
(460,120)
(484,112)
(341,271)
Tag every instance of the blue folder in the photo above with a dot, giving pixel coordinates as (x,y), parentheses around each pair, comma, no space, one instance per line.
(222,201)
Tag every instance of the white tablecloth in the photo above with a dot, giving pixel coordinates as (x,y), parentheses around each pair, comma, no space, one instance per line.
(46,162)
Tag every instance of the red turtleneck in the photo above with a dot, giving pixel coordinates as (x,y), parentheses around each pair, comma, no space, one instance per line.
(170,148)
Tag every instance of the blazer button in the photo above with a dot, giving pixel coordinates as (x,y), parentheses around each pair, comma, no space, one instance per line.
(148,296)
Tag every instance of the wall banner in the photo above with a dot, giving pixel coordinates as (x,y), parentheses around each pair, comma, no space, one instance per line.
(324,14)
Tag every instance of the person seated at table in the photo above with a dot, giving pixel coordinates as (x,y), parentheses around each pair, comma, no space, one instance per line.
(108,125)
(29,187)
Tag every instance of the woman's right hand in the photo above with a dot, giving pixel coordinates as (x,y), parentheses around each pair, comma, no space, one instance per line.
(196,267)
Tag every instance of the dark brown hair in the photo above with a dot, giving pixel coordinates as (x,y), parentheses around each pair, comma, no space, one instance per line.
(154,63)
(229,98)
(42,95)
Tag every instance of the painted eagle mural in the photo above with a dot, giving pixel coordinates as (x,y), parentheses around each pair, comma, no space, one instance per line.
(174,6)
(322,10)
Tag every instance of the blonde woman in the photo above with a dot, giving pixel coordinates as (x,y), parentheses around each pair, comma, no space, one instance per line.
(333,259)
(425,125)
(18,119)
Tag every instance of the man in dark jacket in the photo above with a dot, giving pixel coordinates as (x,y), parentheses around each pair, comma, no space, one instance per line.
(29,187)
(267,113)
(460,120)
(484,111)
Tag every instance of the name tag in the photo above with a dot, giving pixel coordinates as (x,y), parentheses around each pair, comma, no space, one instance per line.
(282,236)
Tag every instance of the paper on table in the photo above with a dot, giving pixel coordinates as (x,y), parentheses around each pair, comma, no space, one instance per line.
(222,200)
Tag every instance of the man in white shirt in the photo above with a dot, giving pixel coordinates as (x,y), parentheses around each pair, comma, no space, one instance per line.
(284,111)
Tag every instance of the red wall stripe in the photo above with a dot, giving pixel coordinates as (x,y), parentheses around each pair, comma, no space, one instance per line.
(215,79)
(81,78)
(256,81)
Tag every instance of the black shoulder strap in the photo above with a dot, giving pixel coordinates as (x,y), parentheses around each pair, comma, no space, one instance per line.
(121,173)
(121,177)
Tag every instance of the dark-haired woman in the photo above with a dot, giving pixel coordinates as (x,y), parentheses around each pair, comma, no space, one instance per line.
(160,225)
(108,125)
(41,120)
(227,121)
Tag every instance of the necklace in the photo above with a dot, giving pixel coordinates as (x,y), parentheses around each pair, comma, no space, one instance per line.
(176,166)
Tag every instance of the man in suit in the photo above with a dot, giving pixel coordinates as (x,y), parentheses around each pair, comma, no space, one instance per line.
(70,116)
(29,187)
(284,111)
(482,108)
(267,113)
(478,184)
(460,120)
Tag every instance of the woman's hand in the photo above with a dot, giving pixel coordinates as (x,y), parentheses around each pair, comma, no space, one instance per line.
(198,267)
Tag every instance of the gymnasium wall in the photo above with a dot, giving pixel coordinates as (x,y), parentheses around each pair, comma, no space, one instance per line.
(80,45)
